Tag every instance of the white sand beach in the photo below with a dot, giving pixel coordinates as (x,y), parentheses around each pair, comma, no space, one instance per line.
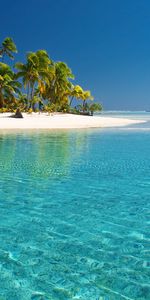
(61,121)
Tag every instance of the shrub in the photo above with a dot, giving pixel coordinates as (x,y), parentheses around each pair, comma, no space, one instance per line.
(30,111)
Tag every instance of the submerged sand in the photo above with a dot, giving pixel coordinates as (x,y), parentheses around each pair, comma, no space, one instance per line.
(61,121)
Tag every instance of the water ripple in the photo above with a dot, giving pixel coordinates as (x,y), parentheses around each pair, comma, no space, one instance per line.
(75,216)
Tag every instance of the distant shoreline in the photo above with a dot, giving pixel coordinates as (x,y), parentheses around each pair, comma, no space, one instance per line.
(62,121)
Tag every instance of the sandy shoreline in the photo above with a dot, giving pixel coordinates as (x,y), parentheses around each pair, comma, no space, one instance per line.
(61,121)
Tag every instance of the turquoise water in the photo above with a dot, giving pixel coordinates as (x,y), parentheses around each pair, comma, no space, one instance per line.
(75,215)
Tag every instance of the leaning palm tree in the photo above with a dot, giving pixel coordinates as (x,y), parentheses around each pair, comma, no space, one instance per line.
(8,48)
(8,85)
(86,96)
(76,92)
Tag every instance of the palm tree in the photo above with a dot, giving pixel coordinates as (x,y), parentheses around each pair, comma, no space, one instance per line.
(34,72)
(27,73)
(22,101)
(95,107)
(8,85)
(86,96)
(77,92)
(8,47)
(59,87)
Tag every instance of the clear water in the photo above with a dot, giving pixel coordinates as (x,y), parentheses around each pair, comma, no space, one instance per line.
(75,215)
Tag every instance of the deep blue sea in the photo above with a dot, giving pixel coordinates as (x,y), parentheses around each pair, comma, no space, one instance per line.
(75,213)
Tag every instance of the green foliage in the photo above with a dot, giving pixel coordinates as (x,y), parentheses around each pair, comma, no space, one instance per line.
(4,110)
(22,102)
(8,85)
(78,93)
(89,108)
(95,107)
(74,110)
(30,111)
(50,108)
(8,47)
(34,72)
(58,87)
(56,107)
(48,84)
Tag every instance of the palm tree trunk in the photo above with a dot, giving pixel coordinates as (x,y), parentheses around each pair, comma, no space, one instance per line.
(32,92)
(28,90)
(1,100)
(31,95)
(71,100)
(83,105)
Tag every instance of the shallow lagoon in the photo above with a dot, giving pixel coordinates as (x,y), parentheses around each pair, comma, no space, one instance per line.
(75,215)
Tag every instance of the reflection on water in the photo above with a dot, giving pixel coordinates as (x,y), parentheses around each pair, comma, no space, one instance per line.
(75,215)
(40,154)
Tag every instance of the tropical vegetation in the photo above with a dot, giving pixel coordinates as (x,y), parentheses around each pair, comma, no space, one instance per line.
(39,83)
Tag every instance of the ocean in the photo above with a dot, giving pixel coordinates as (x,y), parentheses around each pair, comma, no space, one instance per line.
(75,213)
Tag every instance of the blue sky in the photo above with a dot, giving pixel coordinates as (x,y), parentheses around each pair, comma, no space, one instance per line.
(105,42)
